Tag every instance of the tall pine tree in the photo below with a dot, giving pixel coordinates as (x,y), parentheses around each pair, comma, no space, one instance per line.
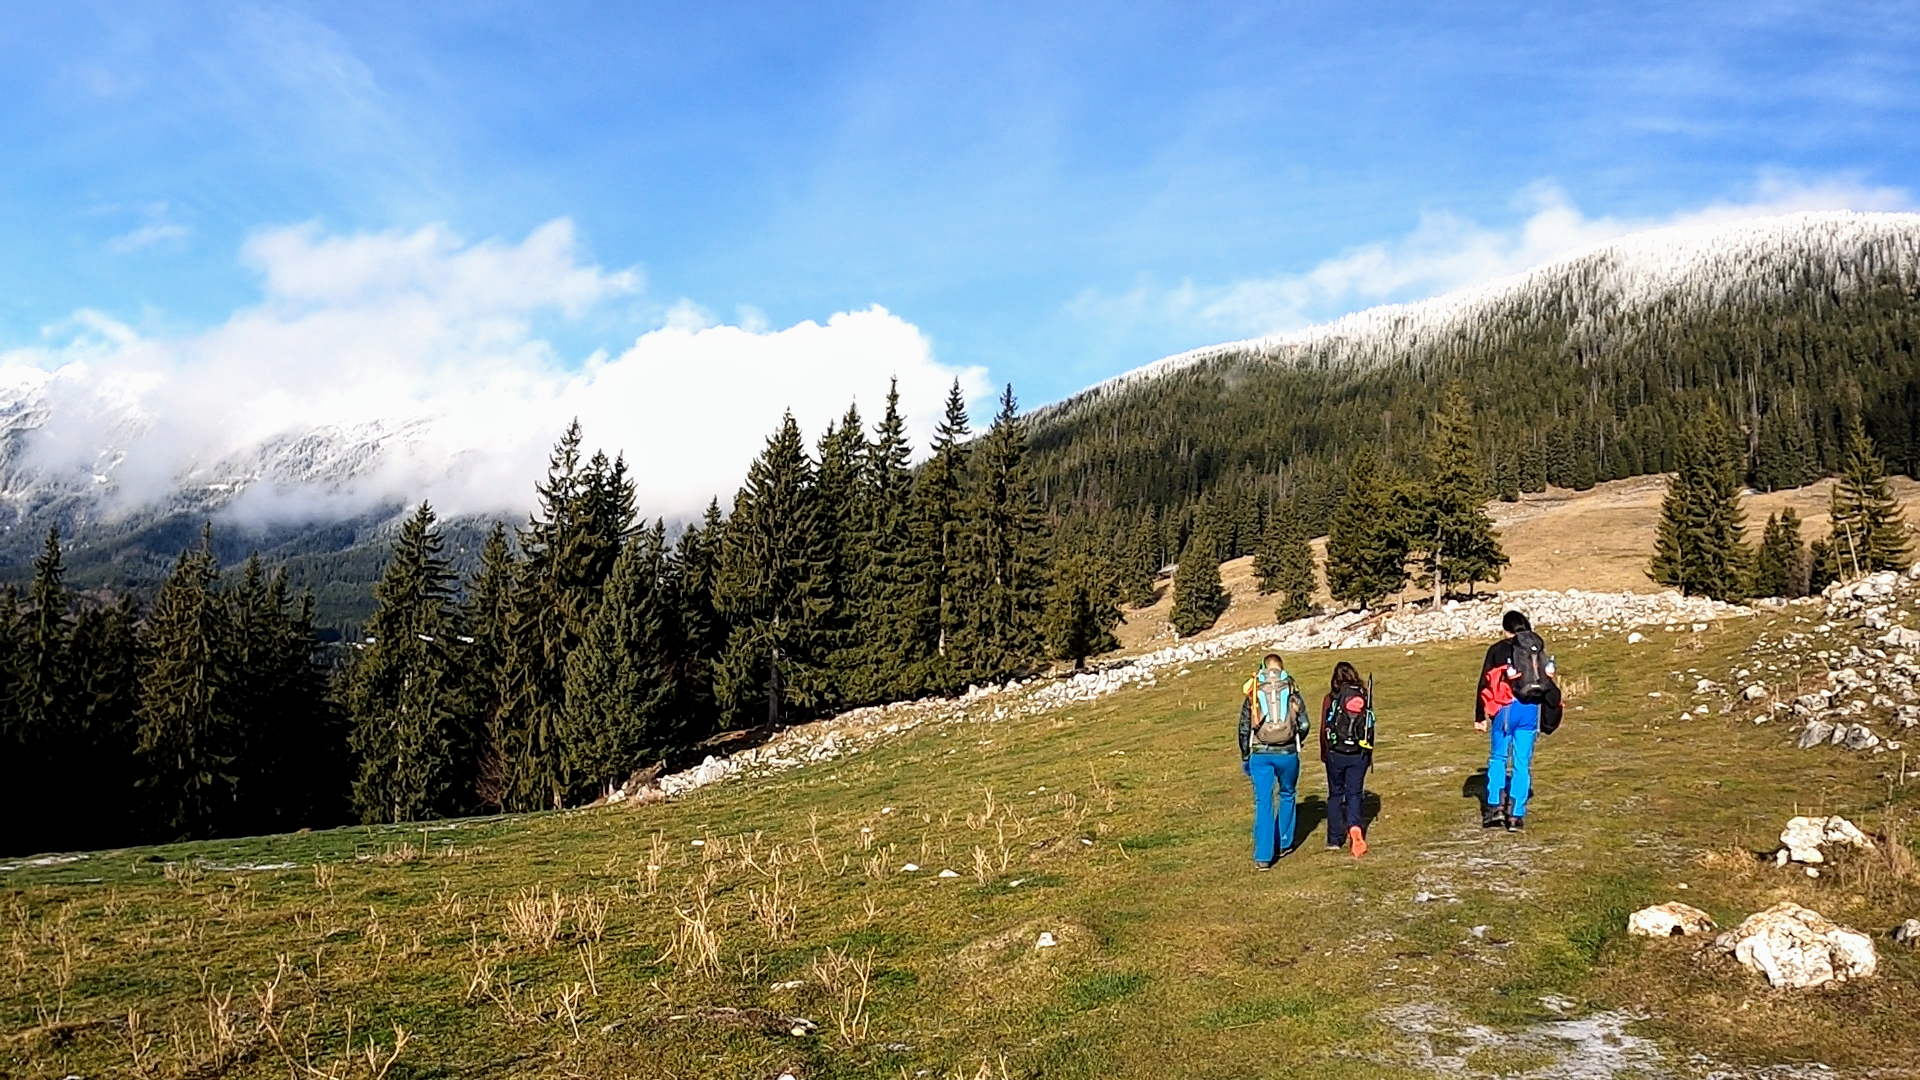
(1444,513)
(888,658)
(1001,579)
(620,681)
(936,525)
(1869,531)
(1780,566)
(1366,545)
(1698,547)
(190,742)
(774,588)
(1083,608)
(1285,565)
(1198,597)
(568,547)
(416,737)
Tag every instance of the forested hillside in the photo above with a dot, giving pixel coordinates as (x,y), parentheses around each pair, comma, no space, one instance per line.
(1580,371)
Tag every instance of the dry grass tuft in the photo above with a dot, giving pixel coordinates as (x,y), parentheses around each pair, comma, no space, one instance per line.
(849,982)
(696,942)
(533,919)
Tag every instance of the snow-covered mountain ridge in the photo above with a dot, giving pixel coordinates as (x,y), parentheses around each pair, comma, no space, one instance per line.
(1684,269)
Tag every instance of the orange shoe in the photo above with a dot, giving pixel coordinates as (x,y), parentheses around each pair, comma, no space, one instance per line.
(1356,841)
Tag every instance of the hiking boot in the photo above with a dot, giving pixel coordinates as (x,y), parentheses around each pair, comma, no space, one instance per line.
(1266,865)
(1492,817)
(1333,847)
(1356,841)
(1516,824)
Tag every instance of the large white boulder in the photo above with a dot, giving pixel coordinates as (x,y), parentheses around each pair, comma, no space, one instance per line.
(1796,948)
(1804,838)
(1672,919)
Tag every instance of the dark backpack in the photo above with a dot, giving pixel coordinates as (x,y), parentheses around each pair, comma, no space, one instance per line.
(1527,670)
(1349,721)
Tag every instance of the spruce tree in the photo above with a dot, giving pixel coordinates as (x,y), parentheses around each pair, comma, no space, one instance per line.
(1560,455)
(1584,469)
(1289,565)
(886,657)
(293,770)
(1083,607)
(697,632)
(1001,579)
(190,743)
(568,547)
(1532,466)
(41,683)
(774,588)
(415,739)
(936,524)
(1366,543)
(489,618)
(1140,563)
(1444,514)
(1869,530)
(620,683)
(104,664)
(1783,455)
(1698,546)
(1780,566)
(840,490)
(1506,475)
(1198,597)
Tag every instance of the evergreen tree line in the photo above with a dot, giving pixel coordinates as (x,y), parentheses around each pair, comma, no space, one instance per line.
(1566,393)
(1701,546)
(205,715)
(1423,525)
(585,645)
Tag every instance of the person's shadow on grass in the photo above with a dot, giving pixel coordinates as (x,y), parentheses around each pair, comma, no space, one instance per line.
(1310,815)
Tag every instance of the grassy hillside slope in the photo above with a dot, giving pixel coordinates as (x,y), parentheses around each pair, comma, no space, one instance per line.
(681,939)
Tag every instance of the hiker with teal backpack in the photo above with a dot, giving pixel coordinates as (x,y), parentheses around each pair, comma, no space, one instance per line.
(1346,748)
(1273,721)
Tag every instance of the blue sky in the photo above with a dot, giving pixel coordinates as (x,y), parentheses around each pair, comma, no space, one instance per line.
(1048,193)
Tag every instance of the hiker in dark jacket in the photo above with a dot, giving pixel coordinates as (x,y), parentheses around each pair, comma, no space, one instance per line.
(1346,748)
(1513,725)
(1273,722)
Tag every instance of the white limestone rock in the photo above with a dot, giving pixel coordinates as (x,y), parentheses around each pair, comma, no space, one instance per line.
(1805,838)
(1672,919)
(1796,948)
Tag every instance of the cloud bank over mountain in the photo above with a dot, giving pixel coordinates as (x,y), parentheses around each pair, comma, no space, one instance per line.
(386,367)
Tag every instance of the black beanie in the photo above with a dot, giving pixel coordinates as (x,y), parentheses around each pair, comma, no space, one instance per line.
(1514,622)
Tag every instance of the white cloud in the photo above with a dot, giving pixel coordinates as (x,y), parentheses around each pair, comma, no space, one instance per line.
(146,236)
(1445,252)
(424,346)
(155,229)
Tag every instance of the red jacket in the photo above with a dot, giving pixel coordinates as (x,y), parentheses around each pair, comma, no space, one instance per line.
(1496,692)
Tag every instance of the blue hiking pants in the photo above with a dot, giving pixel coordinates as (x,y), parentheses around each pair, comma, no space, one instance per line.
(1514,730)
(1346,783)
(1273,821)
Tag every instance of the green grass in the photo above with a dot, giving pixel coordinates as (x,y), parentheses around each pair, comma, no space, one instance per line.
(1173,956)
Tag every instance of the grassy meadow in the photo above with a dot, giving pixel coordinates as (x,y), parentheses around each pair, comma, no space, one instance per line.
(769,927)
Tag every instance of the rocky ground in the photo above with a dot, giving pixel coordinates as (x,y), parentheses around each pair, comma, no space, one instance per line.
(1842,674)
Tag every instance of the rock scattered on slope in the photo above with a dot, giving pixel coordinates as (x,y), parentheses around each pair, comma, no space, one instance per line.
(1796,948)
(1908,933)
(1862,634)
(1672,919)
(1805,839)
